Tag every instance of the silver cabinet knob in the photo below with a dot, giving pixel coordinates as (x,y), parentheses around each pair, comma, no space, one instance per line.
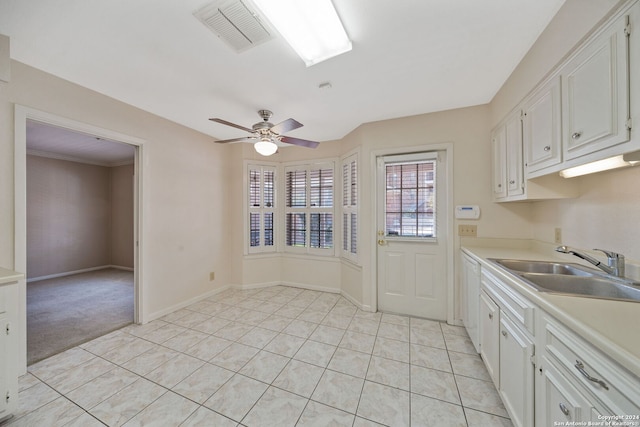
(576,135)
(504,333)
(547,148)
(564,409)
(512,182)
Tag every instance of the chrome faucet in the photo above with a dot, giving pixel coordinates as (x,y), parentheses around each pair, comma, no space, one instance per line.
(615,261)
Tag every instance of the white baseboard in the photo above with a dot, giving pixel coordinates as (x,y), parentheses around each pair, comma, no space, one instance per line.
(68,273)
(120,267)
(186,303)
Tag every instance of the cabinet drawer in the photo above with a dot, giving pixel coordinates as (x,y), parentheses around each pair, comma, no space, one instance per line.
(616,388)
(509,301)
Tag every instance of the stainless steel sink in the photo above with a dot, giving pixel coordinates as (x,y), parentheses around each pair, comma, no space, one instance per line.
(544,267)
(571,279)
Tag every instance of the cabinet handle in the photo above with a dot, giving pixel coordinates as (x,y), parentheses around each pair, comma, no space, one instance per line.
(564,409)
(504,333)
(499,185)
(576,135)
(491,316)
(547,148)
(512,182)
(580,367)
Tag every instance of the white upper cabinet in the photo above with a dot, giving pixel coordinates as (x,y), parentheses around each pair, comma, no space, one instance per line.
(542,127)
(583,111)
(499,155)
(595,84)
(506,145)
(515,174)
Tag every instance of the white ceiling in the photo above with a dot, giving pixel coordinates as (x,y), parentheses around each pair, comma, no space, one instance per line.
(409,57)
(52,141)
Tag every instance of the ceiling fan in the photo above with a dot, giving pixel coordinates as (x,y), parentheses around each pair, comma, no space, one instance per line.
(265,134)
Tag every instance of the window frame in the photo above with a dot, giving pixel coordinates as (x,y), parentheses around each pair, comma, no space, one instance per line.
(350,203)
(308,210)
(415,158)
(262,167)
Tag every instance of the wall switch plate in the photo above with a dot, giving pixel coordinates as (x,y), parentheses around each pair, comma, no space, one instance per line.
(557,236)
(212,276)
(467,230)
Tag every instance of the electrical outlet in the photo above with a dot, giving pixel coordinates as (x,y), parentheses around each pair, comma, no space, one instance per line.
(558,235)
(467,230)
(212,276)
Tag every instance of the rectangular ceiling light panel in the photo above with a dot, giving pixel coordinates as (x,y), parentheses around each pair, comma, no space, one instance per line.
(311,27)
(235,23)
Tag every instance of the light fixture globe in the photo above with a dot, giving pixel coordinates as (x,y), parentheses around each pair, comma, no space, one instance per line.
(265,147)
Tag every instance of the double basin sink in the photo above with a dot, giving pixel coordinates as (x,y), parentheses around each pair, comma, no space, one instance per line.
(571,279)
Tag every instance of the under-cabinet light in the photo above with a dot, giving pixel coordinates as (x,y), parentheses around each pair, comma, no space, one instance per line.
(615,162)
(311,27)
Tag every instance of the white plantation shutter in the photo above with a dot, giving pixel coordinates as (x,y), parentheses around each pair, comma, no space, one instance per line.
(262,208)
(309,208)
(350,207)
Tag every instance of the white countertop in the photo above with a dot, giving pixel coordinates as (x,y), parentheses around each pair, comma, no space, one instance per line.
(611,326)
(9,276)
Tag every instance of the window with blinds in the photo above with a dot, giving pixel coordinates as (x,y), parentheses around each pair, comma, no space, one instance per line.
(350,207)
(410,199)
(309,207)
(262,196)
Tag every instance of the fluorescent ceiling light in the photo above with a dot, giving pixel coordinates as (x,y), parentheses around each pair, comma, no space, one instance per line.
(616,162)
(311,27)
(265,146)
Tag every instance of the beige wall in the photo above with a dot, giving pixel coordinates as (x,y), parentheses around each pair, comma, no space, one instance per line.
(79,216)
(122,216)
(68,216)
(184,211)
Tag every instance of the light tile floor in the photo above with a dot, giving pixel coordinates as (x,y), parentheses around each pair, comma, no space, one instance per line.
(277,356)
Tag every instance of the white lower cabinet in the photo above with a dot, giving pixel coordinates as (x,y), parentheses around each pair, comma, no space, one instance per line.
(557,401)
(516,372)
(507,347)
(545,373)
(581,381)
(470,281)
(490,336)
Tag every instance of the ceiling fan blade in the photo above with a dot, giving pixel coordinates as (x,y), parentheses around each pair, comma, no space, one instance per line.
(224,122)
(286,126)
(298,141)
(243,139)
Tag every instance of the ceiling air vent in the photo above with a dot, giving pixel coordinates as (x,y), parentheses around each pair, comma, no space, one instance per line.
(235,23)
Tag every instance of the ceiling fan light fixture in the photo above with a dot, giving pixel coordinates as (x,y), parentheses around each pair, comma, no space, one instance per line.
(311,27)
(265,147)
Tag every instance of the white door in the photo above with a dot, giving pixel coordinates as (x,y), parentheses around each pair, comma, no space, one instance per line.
(412,240)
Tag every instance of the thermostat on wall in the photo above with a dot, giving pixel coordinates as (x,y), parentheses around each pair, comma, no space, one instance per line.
(467,211)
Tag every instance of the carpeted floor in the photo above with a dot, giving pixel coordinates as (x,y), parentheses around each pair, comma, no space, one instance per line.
(67,311)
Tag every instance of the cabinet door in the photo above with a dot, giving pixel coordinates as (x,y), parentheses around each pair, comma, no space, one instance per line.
(541,127)
(557,401)
(516,373)
(513,137)
(490,336)
(471,298)
(499,153)
(596,94)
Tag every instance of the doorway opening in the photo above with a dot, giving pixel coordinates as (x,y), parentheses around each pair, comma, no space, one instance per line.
(77,224)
